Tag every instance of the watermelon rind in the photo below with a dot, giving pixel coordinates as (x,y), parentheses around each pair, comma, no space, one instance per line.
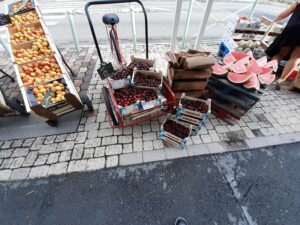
(254,67)
(229,59)
(261,62)
(253,83)
(219,70)
(266,78)
(239,55)
(239,67)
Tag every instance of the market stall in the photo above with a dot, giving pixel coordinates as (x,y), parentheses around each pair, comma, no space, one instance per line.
(45,84)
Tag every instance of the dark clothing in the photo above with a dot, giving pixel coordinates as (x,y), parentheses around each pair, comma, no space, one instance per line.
(289,37)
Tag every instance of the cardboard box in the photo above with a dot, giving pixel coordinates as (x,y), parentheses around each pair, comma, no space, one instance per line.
(191,85)
(194,94)
(180,74)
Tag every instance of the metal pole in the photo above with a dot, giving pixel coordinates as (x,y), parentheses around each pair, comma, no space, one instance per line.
(176,24)
(73,29)
(187,24)
(253,8)
(4,44)
(133,28)
(203,23)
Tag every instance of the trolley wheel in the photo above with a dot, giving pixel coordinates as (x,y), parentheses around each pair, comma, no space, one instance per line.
(109,106)
(86,100)
(52,123)
(17,105)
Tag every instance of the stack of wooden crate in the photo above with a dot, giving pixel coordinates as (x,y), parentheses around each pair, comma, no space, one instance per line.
(188,72)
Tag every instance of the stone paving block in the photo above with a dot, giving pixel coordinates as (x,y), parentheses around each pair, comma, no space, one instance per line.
(28,142)
(92,143)
(38,171)
(6,144)
(148,145)
(105,125)
(41,160)
(174,153)
(17,143)
(78,151)
(65,156)
(53,158)
(109,140)
(19,174)
(91,126)
(30,159)
(6,153)
(131,158)
(155,126)
(137,131)
(158,144)
(113,149)
(81,137)
(46,149)
(71,137)
(50,139)
(5,175)
(150,136)
(196,139)
(78,165)
(105,132)
(215,148)
(221,129)
(95,164)
(127,148)
(58,168)
(117,131)
(206,138)
(92,134)
(156,155)
(214,135)
(146,128)
(65,146)
(125,139)
(17,162)
(18,152)
(127,131)
(88,153)
(99,152)
(38,143)
(112,161)
(138,144)
(60,138)
(200,149)
(6,163)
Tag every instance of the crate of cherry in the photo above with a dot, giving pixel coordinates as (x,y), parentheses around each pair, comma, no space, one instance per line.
(175,133)
(193,107)
(120,78)
(147,79)
(142,64)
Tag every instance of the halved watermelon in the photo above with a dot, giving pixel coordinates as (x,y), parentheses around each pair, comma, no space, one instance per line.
(239,67)
(238,78)
(262,61)
(266,78)
(229,59)
(266,70)
(254,67)
(239,55)
(253,83)
(272,64)
(218,69)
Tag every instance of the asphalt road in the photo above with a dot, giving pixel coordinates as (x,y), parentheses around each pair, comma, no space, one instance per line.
(241,188)
(160,15)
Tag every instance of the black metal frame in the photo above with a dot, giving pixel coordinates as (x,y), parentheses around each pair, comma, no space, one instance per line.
(102,2)
(6,75)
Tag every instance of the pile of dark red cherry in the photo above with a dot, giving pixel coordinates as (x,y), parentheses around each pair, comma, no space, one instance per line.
(130,95)
(146,80)
(195,105)
(124,73)
(176,129)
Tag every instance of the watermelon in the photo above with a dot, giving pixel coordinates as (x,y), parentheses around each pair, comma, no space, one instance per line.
(266,78)
(245,60)
(239,67)
(254,67)
(262,61)
(229,59)
(238,78)
(272,64)
(218,69)
(250,54)
(253,83)
(266,70)
(239,55)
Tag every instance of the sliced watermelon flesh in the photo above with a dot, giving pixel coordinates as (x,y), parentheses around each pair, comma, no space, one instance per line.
(254,67)
(238,78)
(239,55)
(266,78)
(266,70)
(272,64)
(245,60)
(239,67)
(229,59)
(262,61)
(253,83)
(250,54)
(218,69)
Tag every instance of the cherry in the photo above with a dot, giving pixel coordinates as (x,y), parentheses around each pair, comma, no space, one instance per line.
(195,105)
(176,129)
(146,81)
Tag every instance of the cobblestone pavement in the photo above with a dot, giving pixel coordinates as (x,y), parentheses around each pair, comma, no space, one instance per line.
(274,120)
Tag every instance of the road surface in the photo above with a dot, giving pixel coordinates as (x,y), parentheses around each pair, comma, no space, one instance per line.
(258,187)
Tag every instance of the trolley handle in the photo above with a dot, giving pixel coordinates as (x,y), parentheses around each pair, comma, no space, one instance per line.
(102,2)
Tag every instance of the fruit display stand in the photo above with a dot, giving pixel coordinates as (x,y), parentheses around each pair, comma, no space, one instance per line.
(45,84)
(125,109)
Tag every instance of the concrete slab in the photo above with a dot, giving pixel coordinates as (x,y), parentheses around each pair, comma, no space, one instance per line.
(19,127)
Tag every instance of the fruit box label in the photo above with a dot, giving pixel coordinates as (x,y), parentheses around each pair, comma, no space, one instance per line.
(129,109)
(118,84)
(151,104)
(172,142)
(173,137)
(192,113)
(190,120)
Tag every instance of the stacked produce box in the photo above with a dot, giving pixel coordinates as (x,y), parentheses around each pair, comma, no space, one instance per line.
(188,72)
(190,117)
(44,83)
